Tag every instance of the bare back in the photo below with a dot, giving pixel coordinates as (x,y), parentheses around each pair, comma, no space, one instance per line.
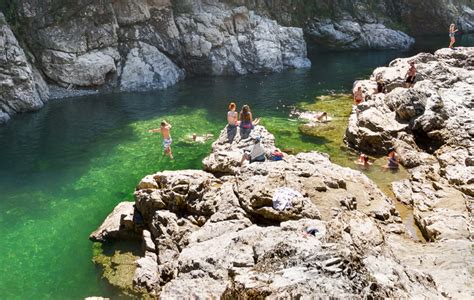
(165,131)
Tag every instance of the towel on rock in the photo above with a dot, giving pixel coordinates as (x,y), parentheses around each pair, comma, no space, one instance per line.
(283,196)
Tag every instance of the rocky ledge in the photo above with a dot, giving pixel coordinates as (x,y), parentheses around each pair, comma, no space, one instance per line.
(216,233)
(432,127)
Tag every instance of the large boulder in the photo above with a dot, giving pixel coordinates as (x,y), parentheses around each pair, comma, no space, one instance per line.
(350,34)
(21,90)
(147,68)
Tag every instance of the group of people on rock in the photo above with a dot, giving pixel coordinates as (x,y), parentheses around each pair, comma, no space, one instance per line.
(245,120)
(410,78)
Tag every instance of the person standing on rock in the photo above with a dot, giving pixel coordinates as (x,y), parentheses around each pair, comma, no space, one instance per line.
(164,129)
(232,122)
(452,35)
(410,76)
(358,96)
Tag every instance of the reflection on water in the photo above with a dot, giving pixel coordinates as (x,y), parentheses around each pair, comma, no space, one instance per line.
(63,168)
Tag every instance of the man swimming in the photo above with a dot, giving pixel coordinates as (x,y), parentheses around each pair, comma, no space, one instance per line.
(165,128)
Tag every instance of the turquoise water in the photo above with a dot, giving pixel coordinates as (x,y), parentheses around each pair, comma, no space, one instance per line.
(64,168)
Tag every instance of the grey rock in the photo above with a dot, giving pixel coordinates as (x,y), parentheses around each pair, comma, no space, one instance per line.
(89,69)
(434,141)
(147,68)
(20,88)
(118,224)
(220,237)
(349,34)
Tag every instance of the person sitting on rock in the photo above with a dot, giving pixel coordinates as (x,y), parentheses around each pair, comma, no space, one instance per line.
(246,121)
(358,96)
(393,160)
(381,88)
(255,153)
(410,76)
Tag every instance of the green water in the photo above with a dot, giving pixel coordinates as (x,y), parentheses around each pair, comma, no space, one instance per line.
(64,168)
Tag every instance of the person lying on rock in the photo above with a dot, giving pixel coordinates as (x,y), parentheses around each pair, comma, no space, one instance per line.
(410,76)
(164,129)
(358,96)
(255,153)
(393,160)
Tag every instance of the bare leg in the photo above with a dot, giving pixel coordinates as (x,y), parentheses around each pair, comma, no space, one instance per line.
(451,44)
(244,157)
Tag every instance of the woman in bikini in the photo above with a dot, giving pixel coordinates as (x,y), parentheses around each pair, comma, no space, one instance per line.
(452,34)
(246,120)
(232,116)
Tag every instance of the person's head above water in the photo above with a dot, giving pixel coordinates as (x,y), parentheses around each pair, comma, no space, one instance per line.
(391,150)
(232,106)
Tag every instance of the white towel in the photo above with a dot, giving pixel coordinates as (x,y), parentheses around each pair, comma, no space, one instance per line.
(283,196)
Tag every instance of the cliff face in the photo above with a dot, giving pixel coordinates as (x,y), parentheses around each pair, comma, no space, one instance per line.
(417,17)
(21,87)
(150,44)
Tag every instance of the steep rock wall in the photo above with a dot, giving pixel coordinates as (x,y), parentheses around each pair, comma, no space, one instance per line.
(21,87)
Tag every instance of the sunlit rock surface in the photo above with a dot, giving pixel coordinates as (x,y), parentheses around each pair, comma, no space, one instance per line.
(216,234)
